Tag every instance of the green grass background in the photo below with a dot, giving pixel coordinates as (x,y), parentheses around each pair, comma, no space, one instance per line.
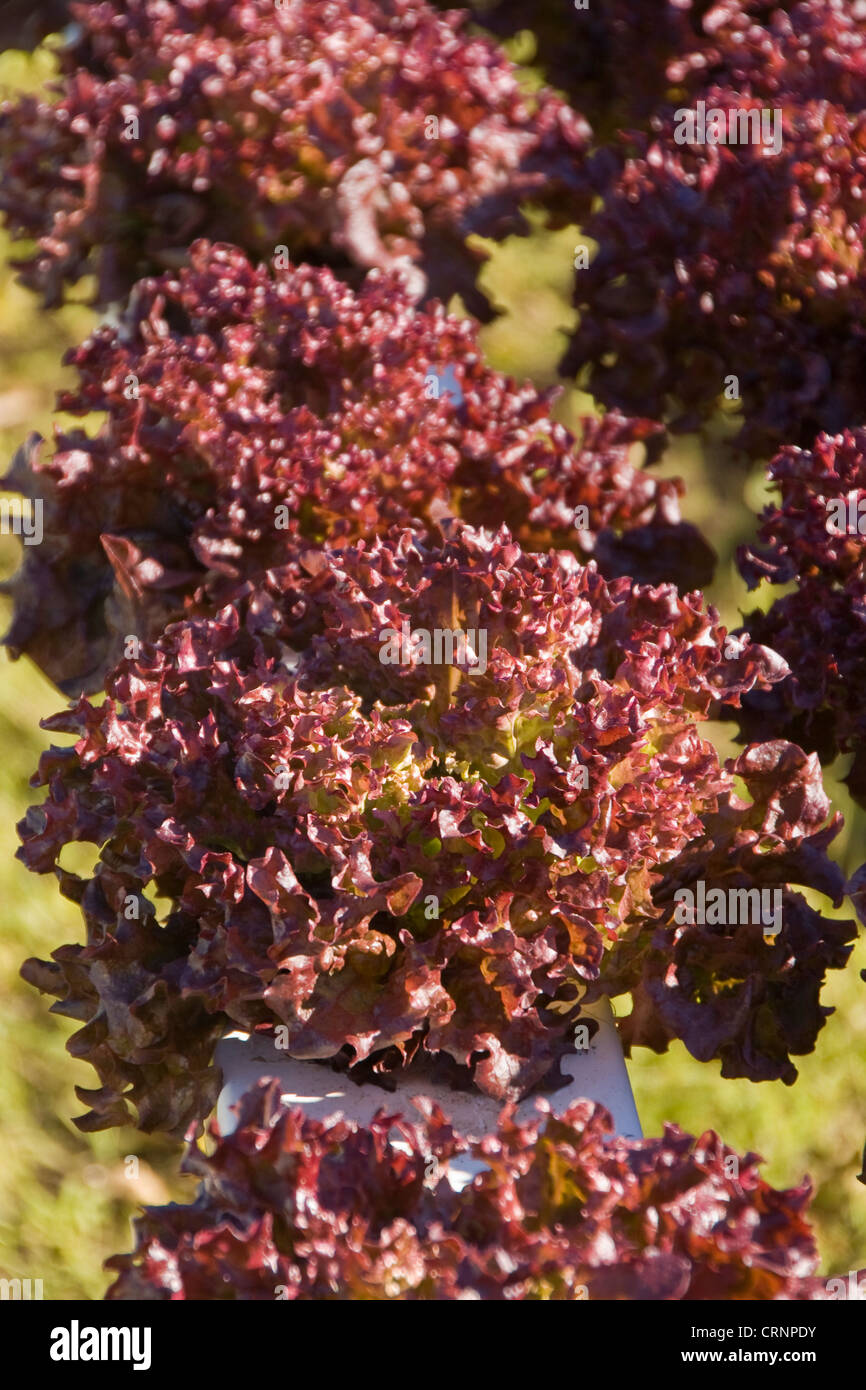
(66,1200)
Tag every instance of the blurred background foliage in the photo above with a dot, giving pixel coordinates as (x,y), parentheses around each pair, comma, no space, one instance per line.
(66,1199)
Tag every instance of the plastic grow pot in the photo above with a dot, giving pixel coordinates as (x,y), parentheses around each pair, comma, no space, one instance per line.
(597,1072)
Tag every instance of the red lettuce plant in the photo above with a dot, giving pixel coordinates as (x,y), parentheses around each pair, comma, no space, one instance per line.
(740,260)
(622,59)
(300,815)
(370,133)
(814,537)
(382,856)
(248,414)
(291,1208)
